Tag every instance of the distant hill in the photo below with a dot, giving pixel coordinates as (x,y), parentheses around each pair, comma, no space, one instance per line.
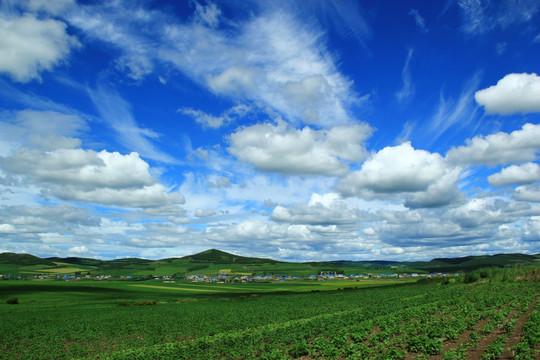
(215,261)
(22,259)
(466,263)
(221,257)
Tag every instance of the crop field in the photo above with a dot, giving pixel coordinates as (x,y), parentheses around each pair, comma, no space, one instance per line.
(293,320)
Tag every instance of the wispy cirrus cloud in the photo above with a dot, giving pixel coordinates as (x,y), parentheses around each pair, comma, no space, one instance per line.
(419,20)
(453,113)
(406,94)
(118,115)
(295,74)
(480,16)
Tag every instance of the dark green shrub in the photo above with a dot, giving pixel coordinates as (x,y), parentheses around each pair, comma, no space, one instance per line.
(12,301)
(470,278)
(145,302)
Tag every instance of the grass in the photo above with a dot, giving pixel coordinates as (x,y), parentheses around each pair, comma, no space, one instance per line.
(53,319)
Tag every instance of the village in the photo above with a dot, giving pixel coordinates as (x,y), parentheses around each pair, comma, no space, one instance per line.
(227,278)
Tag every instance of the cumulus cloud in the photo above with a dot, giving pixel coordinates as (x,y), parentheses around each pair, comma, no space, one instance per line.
(7,229)
(166,228)
(25,221)
(515,93)
(321,209)
(279,148)
(528,193)
(89,176)
(220,183)
(426,178)
(205,212)
(155,195)
(500,148)
(80,251)
(80,167)
(516,175)
(29,46)
(477,212)
(46,130)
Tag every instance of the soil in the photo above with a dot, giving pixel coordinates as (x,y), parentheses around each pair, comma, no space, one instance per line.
(516,333)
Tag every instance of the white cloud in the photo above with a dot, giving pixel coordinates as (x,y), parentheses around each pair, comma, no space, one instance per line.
(205,212)
(407,91)
(500,148)
(215,122)
(286,150)
(80,167)
(80,251)
(89,176)
(208,14)
(426,179)
(272,58)
(452,113)
(222,182)
(321,209)
(118,114)
(47,130)
(29,46)
(514,93)
(166,228)
(419,20)
(25,222)
(155,195)
(7,229)
(481,16)
(528,193)
(476,212)
(55,7)
(474,16)
(516,175)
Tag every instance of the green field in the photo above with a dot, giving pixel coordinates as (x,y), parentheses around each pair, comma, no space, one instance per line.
(478,316)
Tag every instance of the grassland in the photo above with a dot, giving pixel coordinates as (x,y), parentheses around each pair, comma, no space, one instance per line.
(378,319)
(487,313)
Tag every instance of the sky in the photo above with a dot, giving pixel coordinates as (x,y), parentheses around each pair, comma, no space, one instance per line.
(293,130)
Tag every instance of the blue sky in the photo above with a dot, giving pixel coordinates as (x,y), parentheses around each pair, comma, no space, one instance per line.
(296,130)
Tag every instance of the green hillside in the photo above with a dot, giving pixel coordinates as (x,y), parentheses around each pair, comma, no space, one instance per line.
(213,262)
(221,257)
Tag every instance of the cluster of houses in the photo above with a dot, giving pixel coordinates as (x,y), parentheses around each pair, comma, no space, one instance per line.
(223,278)
(227,278)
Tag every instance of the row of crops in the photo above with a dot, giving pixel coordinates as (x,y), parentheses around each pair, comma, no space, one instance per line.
(414,322)
(417,321)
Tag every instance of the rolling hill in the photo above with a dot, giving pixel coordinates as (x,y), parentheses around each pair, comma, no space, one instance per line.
(214,261)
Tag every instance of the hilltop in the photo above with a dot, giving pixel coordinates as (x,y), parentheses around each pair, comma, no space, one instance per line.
(221,257)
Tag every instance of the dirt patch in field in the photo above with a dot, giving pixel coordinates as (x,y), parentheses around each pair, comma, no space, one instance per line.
(517,332)
(463,338)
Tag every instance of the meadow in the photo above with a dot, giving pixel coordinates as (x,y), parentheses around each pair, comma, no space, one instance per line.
(487,315)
